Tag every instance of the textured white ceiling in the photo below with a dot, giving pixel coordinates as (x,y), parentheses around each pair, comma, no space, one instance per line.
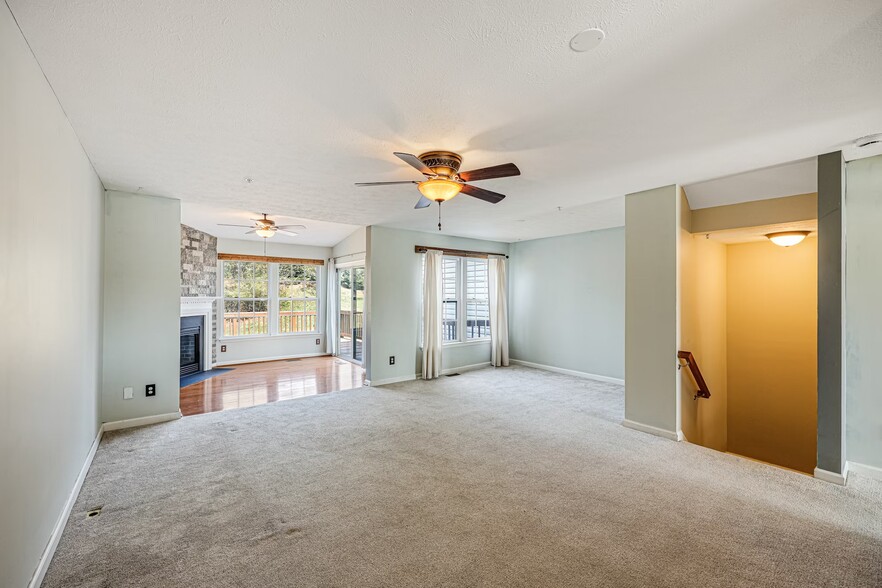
(799,177)
(208,218)
(185,99)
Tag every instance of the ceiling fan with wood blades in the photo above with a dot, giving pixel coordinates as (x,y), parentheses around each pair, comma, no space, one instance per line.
(443,179)
(266,228)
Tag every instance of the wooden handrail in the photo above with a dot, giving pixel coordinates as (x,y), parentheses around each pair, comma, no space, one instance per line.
(687,356)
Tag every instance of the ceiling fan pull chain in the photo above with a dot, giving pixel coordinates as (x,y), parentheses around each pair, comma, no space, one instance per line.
(439,215)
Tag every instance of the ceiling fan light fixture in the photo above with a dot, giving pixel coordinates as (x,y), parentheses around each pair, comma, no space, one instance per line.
(787,238)
(439,189)
(265,232)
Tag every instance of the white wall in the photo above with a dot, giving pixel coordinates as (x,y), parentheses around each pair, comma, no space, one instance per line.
(353,247)
(394,298)
(142,305)
(50,290)
(248,349)
(863,294)
(567,302)
(652,384)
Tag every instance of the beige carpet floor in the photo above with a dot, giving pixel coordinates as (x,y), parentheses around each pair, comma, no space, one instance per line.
(506,477)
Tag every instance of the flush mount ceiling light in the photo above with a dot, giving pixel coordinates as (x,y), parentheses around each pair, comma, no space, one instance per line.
(587,40)
(787,238)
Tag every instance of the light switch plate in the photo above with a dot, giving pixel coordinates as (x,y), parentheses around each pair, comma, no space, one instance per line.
(128,393)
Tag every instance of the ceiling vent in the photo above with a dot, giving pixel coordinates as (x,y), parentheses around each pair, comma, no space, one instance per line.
(868,140)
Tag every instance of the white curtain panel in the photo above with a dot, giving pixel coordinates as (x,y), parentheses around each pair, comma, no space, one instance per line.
(432,316)
(498,312)
(331,336)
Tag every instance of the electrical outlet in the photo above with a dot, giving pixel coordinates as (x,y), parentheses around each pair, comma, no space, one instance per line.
(128,393)
(151,390)
(223,348)
(318,341)
(391,360)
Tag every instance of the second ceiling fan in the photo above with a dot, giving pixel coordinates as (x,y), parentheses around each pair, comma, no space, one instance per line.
(266,228)
(444,180)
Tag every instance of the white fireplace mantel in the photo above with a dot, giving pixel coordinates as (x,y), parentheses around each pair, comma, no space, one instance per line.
(201,306)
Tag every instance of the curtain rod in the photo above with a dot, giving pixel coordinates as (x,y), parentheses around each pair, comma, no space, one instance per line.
(269,259)
(348,255)
(458,252)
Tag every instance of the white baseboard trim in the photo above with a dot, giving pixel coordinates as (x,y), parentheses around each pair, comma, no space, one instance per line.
(586,375)
(832,477)
(141,421)
(465,368)
(395,380)
(444,372)
(863,469)
(672,435)
(58,529)
(277,358)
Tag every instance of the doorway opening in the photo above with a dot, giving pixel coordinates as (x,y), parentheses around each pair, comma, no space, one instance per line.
(350,305)
(749,316)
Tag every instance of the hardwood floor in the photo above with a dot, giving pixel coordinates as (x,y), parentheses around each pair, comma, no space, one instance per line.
(261,383)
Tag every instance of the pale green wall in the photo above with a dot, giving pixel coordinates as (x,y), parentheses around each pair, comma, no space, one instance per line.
(652,233)
(863,294)
(395,297)
(567,302)
(142,304)
(50,288)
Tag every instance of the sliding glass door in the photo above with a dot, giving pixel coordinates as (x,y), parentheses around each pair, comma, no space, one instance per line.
(351,308)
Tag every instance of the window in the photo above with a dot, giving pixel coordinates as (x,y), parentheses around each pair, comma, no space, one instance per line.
(298,298)
(246,300)
(465,299)
(449,298)
(269,298)
(477,298)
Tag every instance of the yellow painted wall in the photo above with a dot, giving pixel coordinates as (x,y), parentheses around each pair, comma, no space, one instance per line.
(772,352)
(703,332)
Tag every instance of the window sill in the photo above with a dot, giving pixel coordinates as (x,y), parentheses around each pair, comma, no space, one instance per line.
(455,344)
(279,336)
(466,343)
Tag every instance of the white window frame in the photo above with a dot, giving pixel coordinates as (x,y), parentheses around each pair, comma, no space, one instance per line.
(280,299)
(272,304)
(461,302)
(465,301)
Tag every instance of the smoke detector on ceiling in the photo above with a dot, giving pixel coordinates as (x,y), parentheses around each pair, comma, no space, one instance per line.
(868,140)
(587,40)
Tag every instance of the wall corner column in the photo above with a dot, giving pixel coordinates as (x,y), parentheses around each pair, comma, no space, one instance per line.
(652,383)
(831,462)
